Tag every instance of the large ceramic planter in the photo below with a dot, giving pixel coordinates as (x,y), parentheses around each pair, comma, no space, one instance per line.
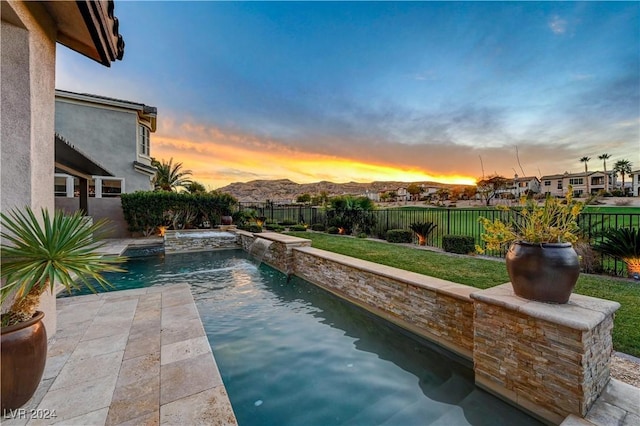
(544,272)
(226,220)
(24,354)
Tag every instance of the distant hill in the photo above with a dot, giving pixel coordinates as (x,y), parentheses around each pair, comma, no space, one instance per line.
(287,190)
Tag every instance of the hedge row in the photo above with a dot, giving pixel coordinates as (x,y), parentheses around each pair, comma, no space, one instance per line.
(145,211)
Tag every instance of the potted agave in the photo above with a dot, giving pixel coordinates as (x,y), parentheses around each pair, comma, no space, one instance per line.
(541,261)
(37,253)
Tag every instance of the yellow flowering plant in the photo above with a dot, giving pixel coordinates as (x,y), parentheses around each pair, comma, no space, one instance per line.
(554,221)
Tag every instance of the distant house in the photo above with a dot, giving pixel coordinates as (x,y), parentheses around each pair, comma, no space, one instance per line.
(111,133)
(519,186)
(556,185)
(635,183)
(403,194)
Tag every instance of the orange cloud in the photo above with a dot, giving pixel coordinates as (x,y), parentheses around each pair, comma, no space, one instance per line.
(218,158)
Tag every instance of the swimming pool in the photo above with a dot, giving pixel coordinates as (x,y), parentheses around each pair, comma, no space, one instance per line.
(291,353)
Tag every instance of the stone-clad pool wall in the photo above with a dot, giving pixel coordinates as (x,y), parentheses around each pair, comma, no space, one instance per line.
(550,360)
(186,240)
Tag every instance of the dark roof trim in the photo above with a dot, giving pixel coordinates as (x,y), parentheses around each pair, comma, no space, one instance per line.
(134,105)
(73,161)
(107,39)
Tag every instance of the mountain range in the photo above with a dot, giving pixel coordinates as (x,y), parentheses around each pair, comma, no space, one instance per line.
(287,190)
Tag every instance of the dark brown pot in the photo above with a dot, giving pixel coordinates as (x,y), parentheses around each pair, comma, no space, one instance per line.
(24,354)
(544,272)
(226,220)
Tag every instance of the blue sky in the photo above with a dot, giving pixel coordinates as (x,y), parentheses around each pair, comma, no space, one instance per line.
(369,91)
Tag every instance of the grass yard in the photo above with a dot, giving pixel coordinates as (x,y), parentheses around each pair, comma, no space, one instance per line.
(484,273)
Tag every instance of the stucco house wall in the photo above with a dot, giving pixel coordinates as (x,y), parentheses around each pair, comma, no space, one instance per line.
(107,133)
(29,32)
(27,123)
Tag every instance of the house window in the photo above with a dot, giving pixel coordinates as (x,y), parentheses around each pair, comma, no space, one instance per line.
(559,184)
(143,138)
(60,186)
(576,181)
(111,188)
(547,183)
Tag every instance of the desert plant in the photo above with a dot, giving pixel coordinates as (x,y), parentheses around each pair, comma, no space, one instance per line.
(555,221)
(422,230)
(623,244)
(37,253)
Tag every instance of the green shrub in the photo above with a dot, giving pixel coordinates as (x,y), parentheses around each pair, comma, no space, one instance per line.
(333,230)
(399,236)
(288,222)
(256,229)
(274,227)
(144,211)
(362,235)
(318,227)
(461,244)
(298,228)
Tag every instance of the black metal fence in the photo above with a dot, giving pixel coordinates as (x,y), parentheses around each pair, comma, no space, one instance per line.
(450,222)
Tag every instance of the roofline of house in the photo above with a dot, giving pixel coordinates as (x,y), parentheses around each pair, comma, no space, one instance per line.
(144,111)
(89,27)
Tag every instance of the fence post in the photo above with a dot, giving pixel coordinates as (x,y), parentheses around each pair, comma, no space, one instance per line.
(448,221)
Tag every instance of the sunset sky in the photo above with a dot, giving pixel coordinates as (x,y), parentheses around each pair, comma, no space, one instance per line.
(366,91)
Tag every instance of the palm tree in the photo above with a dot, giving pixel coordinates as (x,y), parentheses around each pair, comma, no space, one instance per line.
(195,188)
(169,176)
(585,160)
(604,158)
(624,168)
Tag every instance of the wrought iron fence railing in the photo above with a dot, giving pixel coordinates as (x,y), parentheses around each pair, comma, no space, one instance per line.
(449,222)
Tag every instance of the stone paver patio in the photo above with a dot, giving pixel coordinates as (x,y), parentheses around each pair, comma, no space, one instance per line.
(134,357)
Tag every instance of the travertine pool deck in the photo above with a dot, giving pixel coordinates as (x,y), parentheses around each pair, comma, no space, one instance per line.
(133,357)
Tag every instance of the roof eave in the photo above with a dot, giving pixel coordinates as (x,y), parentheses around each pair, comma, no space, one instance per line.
(89,28)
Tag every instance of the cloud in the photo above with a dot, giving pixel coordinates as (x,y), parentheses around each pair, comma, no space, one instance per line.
(219,157)
(557,25)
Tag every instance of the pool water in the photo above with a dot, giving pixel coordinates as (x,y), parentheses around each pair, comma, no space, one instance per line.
(291,353)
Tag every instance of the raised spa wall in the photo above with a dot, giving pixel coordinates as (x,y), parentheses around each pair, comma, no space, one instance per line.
(191,240)
(549,360)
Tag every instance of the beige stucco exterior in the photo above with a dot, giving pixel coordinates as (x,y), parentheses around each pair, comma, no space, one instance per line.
(28,88)
(30,31)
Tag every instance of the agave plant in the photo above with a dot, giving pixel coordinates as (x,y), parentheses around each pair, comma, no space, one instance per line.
(422,230)
(623,244)
(37,253)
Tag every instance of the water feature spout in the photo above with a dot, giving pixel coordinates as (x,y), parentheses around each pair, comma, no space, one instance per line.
(258,248)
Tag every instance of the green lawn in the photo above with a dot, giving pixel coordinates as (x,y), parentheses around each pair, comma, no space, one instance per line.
(484,273)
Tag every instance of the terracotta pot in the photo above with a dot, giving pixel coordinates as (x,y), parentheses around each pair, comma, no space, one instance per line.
(544,272)
(226,220)
(24,354)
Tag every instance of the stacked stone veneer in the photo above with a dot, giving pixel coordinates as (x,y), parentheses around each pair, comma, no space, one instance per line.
(199,240)
(550,360)
(276,250)
(439,310)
